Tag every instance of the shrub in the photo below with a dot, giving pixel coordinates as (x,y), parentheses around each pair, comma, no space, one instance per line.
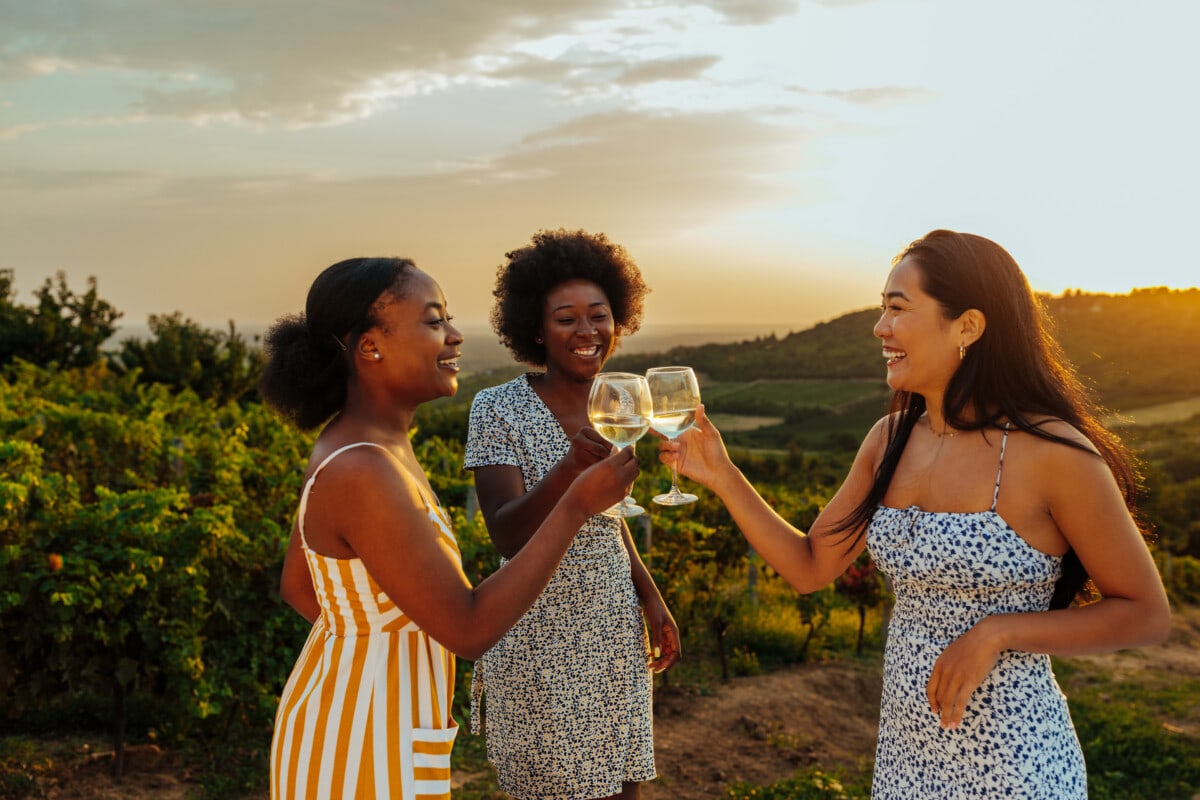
(809,783)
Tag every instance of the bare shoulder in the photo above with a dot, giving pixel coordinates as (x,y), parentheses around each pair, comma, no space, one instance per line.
(870,452)
(1064,432)
(364,475)
(1069,454)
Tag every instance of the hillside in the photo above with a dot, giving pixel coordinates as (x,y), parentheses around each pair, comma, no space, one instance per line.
(1134,349)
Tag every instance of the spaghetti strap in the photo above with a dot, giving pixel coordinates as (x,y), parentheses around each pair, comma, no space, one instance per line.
(1000,468)
(312,478)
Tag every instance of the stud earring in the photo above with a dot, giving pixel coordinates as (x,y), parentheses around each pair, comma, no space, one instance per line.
(962,352)
(538,339)
(376,355)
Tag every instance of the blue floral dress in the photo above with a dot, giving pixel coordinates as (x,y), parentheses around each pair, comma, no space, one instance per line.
(950,570)
(568,689)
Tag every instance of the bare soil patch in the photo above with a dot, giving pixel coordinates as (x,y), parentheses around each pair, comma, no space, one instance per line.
(761,728)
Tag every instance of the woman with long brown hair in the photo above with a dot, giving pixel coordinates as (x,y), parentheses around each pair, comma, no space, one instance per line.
(990,495)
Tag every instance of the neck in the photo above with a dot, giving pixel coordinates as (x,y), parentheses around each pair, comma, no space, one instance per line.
(379,419)
(568,388)
(935,419)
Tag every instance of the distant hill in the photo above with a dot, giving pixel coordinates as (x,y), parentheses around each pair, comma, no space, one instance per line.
(1136,350)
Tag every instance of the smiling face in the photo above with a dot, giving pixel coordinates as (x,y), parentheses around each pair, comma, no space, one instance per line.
(577,329)
(919,343)
(418,346)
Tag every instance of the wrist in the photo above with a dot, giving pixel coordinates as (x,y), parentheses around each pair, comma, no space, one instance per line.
(573,509)
(996,632)
(728,481)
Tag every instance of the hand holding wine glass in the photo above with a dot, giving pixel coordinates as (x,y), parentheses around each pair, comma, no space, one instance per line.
(699,453)
(675,393)
(619,408)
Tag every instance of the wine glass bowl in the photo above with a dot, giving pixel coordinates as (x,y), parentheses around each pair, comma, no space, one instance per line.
(619,408)
(675,394)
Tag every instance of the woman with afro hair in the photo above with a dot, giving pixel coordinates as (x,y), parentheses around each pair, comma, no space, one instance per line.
(568,689)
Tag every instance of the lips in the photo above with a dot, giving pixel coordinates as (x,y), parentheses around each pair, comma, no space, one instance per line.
(587,352)
(893,356)
(449,363)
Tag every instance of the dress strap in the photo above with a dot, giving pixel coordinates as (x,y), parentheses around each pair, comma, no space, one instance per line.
(312,479)
(1000,468)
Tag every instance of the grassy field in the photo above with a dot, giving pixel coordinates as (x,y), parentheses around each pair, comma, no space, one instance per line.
(836,414)
(786,393)
(1162,414)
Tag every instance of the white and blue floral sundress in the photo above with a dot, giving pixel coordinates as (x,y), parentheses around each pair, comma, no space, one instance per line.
(949,570)
(569,711)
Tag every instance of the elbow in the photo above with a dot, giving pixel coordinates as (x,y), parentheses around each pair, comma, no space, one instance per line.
(1159,625)
(506,546)
(1149,622)
(805,583)
(805,587)
(468,647)
(470,653)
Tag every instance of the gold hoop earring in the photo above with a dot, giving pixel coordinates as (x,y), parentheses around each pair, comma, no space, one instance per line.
(962,352)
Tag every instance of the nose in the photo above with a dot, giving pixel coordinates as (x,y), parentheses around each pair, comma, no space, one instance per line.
(453,334)
(883,326)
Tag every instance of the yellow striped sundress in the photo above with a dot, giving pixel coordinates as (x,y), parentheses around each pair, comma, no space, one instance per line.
(366,710)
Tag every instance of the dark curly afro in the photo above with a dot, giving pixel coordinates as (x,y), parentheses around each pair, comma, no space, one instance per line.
(552,257)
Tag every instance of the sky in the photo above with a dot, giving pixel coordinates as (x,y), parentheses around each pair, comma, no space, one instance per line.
(761,160)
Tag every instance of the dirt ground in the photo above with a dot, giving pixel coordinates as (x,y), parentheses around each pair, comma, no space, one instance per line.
(757,729)
(760,729)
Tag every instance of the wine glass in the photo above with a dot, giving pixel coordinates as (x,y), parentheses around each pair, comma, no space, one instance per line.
(619,409)
(675,394)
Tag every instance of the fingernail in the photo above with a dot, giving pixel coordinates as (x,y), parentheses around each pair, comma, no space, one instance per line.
(657,652)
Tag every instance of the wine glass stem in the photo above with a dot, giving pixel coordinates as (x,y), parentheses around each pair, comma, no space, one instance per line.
(675,479)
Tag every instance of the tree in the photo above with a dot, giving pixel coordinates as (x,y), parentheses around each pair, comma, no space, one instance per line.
(64,328)
(181,353)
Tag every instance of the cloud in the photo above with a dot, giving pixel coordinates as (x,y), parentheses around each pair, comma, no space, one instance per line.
(669,69)
(280,63)
(596,75)
(877,96)
(639,176)
(9,132)
(273,61)
(752,12)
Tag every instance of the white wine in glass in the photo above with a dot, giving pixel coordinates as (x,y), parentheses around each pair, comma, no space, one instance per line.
(675,394)
(619,409)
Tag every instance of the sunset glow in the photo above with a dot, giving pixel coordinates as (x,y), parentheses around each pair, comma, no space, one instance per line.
(761,160)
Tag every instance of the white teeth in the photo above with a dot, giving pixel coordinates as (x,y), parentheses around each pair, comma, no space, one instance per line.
(587,351)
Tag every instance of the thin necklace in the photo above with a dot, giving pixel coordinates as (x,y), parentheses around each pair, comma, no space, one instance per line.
(946,434)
